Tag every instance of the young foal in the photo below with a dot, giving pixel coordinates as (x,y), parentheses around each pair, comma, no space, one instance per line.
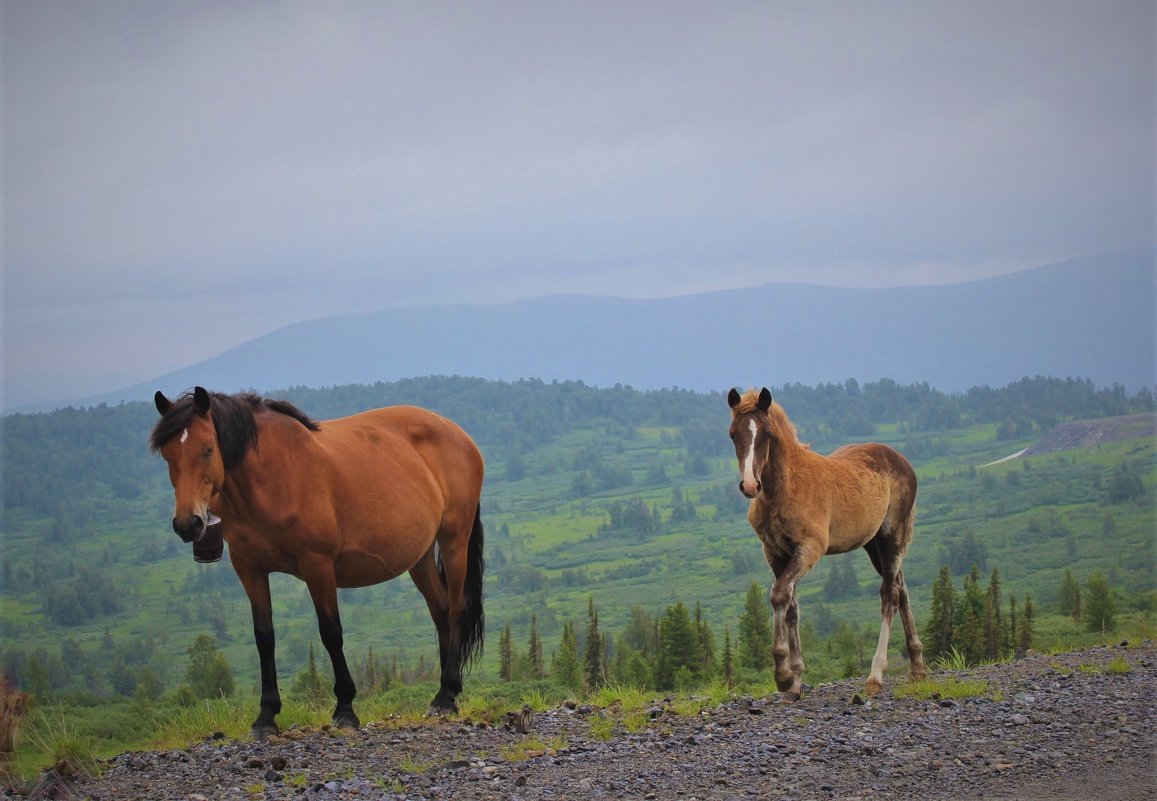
(806,505)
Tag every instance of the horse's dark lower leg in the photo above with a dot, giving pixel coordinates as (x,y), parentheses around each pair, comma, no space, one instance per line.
(915,647)
(266,722)
(428,581)
(257,588)
(343,683)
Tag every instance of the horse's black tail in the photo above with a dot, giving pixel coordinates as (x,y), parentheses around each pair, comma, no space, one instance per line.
(472,624)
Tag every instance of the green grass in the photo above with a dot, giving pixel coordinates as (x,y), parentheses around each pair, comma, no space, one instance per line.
(950,688)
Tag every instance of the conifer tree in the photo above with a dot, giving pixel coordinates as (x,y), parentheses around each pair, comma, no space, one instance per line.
(679,653)
(706,643)
(1100,605)
(505,654)
(1070,595)
(567,670)
(728,658)
(593,654)
(995,631)
(970,619)
(755,635)
(534,651)
(940,629)
(1026,623)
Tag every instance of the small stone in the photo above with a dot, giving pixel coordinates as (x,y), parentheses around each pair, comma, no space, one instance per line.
(278,763)
(520,780)
(586,785)
(1018,719)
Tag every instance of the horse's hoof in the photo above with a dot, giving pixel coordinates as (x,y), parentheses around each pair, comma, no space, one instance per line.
(260,733)
(788,697)
(872,688)
(438,710)
(346,720)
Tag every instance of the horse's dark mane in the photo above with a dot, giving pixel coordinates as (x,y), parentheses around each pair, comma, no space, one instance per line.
(232,417)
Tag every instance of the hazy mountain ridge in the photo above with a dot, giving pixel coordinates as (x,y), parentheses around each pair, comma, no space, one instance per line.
(1090,317)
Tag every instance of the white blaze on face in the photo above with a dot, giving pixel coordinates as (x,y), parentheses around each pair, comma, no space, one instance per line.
(184,436)
(749,461)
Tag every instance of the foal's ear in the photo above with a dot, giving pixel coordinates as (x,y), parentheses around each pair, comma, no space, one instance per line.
(732,397)
(764,402)
(162,402)
(201,400)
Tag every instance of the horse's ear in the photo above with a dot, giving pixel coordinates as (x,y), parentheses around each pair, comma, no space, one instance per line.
(163,403)
(764,400)
(732,398)
(201,400)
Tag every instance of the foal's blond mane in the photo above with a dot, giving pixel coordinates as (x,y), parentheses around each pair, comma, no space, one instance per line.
(784,428)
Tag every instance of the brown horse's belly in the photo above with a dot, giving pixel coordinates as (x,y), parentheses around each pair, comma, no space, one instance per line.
(359,569)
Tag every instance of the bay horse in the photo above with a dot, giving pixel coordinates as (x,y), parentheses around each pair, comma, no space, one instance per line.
(338,503)
(805,505)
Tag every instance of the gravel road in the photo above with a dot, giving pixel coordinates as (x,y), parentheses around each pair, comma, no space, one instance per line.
(1059,727)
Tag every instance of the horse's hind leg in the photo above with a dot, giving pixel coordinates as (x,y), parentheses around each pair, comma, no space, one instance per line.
(883,559)
(428,581)
(915,647)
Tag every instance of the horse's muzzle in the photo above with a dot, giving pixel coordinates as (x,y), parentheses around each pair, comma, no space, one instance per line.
(189,528)
(747,492)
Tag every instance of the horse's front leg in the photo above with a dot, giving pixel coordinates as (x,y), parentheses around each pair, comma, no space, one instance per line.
(257,588)
(322,585)
(785,645)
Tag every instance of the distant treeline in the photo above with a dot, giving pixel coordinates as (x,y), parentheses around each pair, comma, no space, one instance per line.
(59,458)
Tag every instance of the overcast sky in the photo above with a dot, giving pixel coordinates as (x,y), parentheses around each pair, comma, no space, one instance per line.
(181,176)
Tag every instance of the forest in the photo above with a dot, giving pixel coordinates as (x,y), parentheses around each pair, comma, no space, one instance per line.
(614,494)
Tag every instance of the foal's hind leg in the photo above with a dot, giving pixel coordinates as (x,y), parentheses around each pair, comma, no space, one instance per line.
(887,567)
(915,647)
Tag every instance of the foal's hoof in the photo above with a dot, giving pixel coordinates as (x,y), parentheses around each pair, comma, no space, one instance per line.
(873,688)
(788,697)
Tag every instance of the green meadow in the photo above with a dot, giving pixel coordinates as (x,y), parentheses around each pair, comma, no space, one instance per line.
(620,497)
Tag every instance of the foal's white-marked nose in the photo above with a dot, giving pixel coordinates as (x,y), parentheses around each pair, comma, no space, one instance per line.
(748,483)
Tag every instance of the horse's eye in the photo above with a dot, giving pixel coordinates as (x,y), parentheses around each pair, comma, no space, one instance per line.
(732,435)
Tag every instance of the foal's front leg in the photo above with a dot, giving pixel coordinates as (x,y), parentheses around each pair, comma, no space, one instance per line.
(785,647)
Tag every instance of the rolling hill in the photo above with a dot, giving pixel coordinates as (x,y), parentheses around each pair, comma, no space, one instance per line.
(1090,317)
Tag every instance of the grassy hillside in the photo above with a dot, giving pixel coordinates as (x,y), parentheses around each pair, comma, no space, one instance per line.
(623,496)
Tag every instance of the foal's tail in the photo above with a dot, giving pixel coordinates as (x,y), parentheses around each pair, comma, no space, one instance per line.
(472,623)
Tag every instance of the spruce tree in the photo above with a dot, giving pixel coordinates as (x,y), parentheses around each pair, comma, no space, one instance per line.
(940,628)
(1026,623)
(593,654)
(534,651)
(706,644)
(1100,605)
(567,670)
(755,635)
(995,631)
(1070,595)
(970,619)
(680,657)
(728,659)
(505,654)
